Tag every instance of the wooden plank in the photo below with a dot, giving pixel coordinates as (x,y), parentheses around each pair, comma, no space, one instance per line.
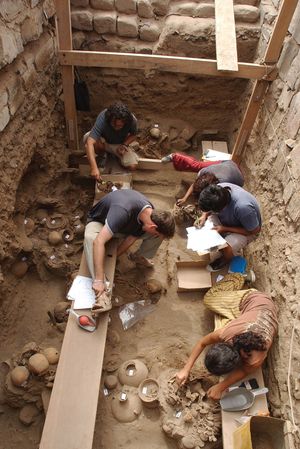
(226,47)
(284,17)
(280,29)
(195,66)
(64,34)
(253,106)
(229,425)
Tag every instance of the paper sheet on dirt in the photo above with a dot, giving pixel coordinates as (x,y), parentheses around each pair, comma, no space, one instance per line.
(82,293)
(214,155)
(204,239)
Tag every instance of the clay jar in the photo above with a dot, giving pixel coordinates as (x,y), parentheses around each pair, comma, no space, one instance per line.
(132,372)
(19,269)
(148,392)
(67,235)
(38,364)
(52,355)
(28,226)
(78,228)
(54,238)
(19,375)
(155,132)
(57,221)
(126,407)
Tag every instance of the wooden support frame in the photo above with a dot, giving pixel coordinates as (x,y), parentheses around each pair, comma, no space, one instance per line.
(283,20)
(194,66)
(64,34)
(226,47)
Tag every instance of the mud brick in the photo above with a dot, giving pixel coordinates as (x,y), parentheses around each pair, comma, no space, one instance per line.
(32,27)
(126,6)
(106,5)
(127,26)
(293,74)
(10,9)
(204,10)
(149,32)
(293,117)
(10,45)
(105,22)
(44,53)
(144,9)
(288,191)
(82,20)
(294,162)
(161,7)
(246,13)
(80,2)
(289,52)
(4,117)
(294,28)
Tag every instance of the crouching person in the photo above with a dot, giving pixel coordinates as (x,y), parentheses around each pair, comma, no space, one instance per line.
(129,215)
(246,325)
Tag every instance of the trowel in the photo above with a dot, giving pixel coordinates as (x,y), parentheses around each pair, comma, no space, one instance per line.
(84,321)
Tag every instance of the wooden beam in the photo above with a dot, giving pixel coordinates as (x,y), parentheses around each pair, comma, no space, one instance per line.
(226,47)
(64,35)
(280,29)
(178,64)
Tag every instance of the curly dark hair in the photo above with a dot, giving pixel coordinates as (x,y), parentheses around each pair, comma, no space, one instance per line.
(165,222)
(222,358)
(203,181)
(118,111)
(249,341)
(214,198)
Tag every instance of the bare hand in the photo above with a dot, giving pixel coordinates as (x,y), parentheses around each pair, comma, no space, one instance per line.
(122,150)
(220,229)
(215,392)
(182,376)
(99,288)
(180,201)
(95,173)
(200,221)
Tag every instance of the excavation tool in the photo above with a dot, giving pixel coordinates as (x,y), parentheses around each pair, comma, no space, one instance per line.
(240,399)
(84,321)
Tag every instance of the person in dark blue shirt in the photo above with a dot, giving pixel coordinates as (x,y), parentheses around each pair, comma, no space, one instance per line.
(114,130)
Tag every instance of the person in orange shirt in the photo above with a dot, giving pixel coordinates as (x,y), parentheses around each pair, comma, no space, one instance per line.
(246,325)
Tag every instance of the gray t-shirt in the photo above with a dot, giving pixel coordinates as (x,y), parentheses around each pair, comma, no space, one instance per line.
(226,171)
(120,211)
(242,210)
(104,129)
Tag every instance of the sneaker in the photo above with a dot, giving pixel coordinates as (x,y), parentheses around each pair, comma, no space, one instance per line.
(166,159)
(217,265)
(140,260)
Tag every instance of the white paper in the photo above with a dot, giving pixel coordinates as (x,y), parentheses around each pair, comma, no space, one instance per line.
(82,293)
(204,239)
(213,155)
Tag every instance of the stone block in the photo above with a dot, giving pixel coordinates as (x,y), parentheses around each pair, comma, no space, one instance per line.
(247,2)
(288,191)
(246,13)
(34,3)
(4,117)
(3,98)
(80,2)
(149,32)
(105,22)
(294,162)
(144,9)
(82,20)
(29,77)
(10,9)
(105,5)
(293,208)
(127,26)
(186,9)
(292,78)
(126,6)
(10,45)
(49,8)
(285,98)
(204,10)
(44,53)
(32,27)
(294,27)
(293,117)
(160,7)
(16,98)
(289,52)
(78,38)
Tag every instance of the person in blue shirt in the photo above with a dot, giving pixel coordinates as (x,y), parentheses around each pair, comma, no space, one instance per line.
(113,132)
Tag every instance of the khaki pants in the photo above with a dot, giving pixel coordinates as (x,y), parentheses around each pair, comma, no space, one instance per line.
(128,158)
(149,246)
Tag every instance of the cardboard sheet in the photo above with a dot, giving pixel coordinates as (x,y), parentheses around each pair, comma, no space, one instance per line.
(192,275)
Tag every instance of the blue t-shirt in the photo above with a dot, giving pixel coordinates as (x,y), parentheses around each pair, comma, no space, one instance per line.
(120,211)
(104,129)
(226,171)
(242,210)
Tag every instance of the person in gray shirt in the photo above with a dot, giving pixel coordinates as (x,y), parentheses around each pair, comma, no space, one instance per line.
(226,171)
(113,132)
(234,213)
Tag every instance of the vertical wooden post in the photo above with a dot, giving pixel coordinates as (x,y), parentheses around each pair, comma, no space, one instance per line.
(283,20)
(64,35)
